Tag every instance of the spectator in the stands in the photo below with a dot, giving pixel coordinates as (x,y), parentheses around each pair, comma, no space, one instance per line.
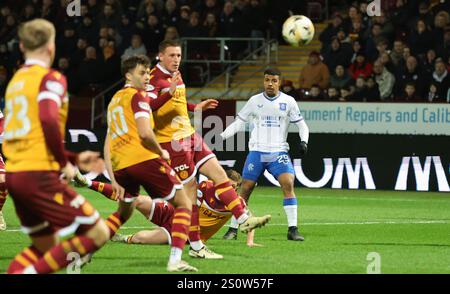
(172,34)
(125,29)
(443,47)
(441,21)
(356,48)
(356,32)
(397,52)
(360,66)
(183,22)
(353,16)
(411,73)
(386,60)
(109,17)
(88,29)
(136,48)
(409,94)
(154,32)
(372,41)
(345,94)
(332,94)
(29,13)
(331,31)
(80,53)
(315,93)
(387,28)
(67,43)
(254,16)
(170,15)
(423,14)
(211,25)
(384,79)
(336,55)
(441,77)
(65,68)
(315,72)
(372,90)
(428,62)
(91,70)
(340,78)
(399,17)
(420,38)
(287,87)
(230,25)
(209,6)
(359,94)
(433,94)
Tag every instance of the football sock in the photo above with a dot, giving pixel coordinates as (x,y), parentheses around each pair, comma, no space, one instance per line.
(3,194)
(103,188)
(56,258)
(194,228)
(234,223)
(228,196)
(180,227)
(114,222)
(27,257)
(290,207)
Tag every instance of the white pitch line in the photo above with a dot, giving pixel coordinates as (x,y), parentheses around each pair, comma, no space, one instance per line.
(315,224)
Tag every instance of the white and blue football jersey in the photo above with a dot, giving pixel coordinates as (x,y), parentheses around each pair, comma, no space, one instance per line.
(270,118)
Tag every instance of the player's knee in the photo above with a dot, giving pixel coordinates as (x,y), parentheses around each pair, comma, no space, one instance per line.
(181,200)
(139,202)
(126,210)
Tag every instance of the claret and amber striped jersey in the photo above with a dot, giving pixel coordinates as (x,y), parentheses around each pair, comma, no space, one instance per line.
(126,148)
(24,143)
(172,118)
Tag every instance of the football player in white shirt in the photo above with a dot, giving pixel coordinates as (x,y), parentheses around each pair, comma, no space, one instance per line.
(270,112)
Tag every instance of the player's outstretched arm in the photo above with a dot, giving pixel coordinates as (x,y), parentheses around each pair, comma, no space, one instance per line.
(236,126)
(118,190)
(304,136)
(147,135)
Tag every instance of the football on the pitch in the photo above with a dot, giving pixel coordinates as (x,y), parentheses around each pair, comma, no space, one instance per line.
(298,30)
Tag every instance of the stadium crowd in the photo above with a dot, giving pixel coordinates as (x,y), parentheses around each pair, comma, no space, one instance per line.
(402,55)
(91,46)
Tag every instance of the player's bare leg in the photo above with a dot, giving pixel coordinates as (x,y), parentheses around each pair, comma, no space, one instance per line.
(247,187)
(180,230)
(157,236)
(225,192)
(286,181)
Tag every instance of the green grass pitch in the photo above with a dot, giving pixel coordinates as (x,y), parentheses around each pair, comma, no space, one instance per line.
(409,230)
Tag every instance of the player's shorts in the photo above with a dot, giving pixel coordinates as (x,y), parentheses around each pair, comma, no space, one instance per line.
(161,215)
(276,163)
(2,166)
(211,221)
(187,156)
(45,206)
(155,175)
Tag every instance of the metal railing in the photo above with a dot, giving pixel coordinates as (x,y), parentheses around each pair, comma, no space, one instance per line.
(267,48)
(98,104)
(221,43)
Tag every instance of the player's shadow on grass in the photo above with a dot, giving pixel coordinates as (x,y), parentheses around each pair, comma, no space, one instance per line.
(401,244)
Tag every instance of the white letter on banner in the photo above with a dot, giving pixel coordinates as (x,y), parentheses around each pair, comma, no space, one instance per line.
(422,175)
(440,174)
(353,175)
(402,177)
(75,134)
(327,174)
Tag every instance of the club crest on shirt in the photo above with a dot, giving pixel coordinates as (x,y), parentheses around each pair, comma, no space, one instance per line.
(283,106)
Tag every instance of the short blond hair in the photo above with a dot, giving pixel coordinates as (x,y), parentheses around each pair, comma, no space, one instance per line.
(36,33)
